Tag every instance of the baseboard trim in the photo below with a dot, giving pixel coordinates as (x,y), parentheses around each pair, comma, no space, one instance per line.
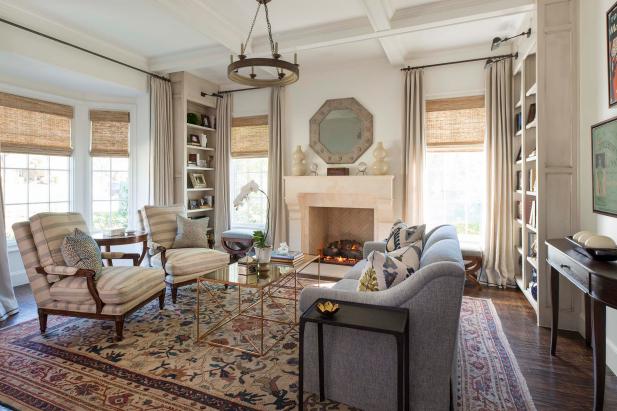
(19,278)
(611,355)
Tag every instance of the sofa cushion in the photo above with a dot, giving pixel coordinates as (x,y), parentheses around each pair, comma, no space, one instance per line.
(402,235)
(187,261)
(48,231)
(382,272)
(161,224)
(444,250)
(355,272)
(442,232)
(192,233)
(116,285)
(346,284)
(79,250)
(409,255)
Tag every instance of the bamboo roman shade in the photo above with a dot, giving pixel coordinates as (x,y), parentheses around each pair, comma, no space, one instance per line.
(455,123)
(249,136)
(34,126)
(109,133)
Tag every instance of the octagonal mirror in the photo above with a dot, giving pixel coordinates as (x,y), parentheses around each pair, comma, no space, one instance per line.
(341,131)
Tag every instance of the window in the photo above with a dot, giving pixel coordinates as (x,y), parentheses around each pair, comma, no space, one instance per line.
(35,163)
(109,149)
(249,152)
(454,165)
(110,192)
(34,184)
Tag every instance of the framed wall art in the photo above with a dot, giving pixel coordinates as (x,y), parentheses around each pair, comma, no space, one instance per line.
(604,167)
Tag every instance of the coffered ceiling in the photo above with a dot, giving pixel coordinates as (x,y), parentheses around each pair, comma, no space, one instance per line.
(199,35)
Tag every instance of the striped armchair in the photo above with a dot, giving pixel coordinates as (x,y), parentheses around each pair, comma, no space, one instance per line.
(182,265)
(69,291)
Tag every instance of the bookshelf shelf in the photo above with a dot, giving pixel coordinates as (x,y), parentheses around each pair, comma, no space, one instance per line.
(198,127)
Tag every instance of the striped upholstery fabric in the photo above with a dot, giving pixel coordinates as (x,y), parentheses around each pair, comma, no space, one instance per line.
(49,230)
(116,285)
(191,261)
(161,224)
(61,270)
(30,257)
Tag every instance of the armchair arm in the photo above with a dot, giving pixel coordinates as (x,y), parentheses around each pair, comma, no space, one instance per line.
(154,249)
(78,272)
(116,255)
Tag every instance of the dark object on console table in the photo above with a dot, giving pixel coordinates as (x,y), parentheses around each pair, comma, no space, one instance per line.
(600,254)
(598,280)
(338,171)
(367,317)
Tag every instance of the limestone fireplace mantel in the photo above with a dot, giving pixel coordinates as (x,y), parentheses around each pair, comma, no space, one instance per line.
(372,192)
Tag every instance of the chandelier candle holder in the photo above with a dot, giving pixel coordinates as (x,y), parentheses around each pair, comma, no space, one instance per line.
(242,71)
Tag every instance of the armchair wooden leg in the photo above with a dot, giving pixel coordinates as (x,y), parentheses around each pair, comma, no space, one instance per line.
(42,321)
(174,293)
(119,327)
(162,299)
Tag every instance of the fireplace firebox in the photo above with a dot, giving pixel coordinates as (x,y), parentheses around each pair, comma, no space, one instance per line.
(342,252)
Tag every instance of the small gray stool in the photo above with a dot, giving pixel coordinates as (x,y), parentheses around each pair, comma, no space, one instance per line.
(237,242)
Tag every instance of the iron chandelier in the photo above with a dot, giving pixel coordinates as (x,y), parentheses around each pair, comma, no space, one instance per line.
(243,70)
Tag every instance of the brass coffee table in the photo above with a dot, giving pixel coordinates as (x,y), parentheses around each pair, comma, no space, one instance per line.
(264,284)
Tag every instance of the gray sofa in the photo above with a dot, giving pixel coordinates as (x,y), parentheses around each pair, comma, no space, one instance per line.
(360,367)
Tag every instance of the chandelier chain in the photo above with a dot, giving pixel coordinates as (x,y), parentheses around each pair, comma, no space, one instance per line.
(246,43)
(272,48)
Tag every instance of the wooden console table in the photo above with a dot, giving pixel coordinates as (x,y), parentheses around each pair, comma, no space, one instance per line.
(598,280)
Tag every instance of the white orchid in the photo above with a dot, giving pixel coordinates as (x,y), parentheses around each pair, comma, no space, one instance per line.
(245,191)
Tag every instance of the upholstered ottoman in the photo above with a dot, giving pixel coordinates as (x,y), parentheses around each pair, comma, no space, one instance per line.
(237,242)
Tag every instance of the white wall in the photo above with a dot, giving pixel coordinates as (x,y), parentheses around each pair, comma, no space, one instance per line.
(594,108)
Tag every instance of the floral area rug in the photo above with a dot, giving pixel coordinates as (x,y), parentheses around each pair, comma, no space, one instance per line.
(77,365)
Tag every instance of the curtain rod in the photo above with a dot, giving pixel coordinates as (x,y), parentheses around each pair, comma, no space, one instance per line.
(500,57)
(19,26)
(219,94)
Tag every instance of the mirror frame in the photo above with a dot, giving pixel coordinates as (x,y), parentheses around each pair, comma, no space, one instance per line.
(360,148)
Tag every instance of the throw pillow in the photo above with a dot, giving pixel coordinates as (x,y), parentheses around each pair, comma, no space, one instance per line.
(402,235)
(409,255)
(81,251)
(382,272)
(192,233)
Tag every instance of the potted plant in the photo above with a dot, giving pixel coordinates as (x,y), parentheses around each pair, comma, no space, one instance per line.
(263,251)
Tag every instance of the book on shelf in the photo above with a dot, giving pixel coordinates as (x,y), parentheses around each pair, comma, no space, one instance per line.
(532,214)
(519,155)
(532,180)
(518,210)
(531,114)
(518,122)
(519,180)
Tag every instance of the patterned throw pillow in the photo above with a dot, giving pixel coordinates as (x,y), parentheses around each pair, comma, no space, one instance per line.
(191,233)
(409,255)
(401,235)
(81,251)
(382,272)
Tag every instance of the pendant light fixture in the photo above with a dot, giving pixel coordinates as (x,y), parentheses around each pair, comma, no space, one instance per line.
(244,71)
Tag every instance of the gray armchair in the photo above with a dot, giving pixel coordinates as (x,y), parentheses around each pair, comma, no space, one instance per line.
(360,367)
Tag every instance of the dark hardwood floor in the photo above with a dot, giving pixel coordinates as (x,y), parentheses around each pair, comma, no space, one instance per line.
(563,382)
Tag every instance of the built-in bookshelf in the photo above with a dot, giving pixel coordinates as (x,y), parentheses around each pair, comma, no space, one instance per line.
(545,151)
(194,145)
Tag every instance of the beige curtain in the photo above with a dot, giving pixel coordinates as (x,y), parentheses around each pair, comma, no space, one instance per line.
(224,109)
(161,143)
(8,303)
(413,146)
(499,238)
(277,217)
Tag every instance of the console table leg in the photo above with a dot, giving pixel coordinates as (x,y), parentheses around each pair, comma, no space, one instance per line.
(320,354)
(599,353)
(555,307)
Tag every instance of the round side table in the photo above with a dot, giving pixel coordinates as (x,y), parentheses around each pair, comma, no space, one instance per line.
(106,242)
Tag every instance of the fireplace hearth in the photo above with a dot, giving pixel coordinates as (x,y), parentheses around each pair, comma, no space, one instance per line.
(342,252)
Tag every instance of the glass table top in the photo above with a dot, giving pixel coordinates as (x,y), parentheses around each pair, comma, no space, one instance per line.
(237,274)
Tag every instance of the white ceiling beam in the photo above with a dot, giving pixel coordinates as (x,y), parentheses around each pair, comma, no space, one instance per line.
(379,13)
(204,18)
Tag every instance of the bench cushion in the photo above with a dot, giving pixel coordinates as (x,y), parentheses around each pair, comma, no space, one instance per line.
(237,233)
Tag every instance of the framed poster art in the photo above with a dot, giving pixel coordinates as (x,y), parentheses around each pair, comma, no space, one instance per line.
(604,167)
(611,42)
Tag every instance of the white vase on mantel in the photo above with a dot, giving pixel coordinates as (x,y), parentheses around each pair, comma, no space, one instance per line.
(298,167)
(380,165)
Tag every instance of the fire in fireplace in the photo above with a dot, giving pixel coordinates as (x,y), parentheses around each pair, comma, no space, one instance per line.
(342,252)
